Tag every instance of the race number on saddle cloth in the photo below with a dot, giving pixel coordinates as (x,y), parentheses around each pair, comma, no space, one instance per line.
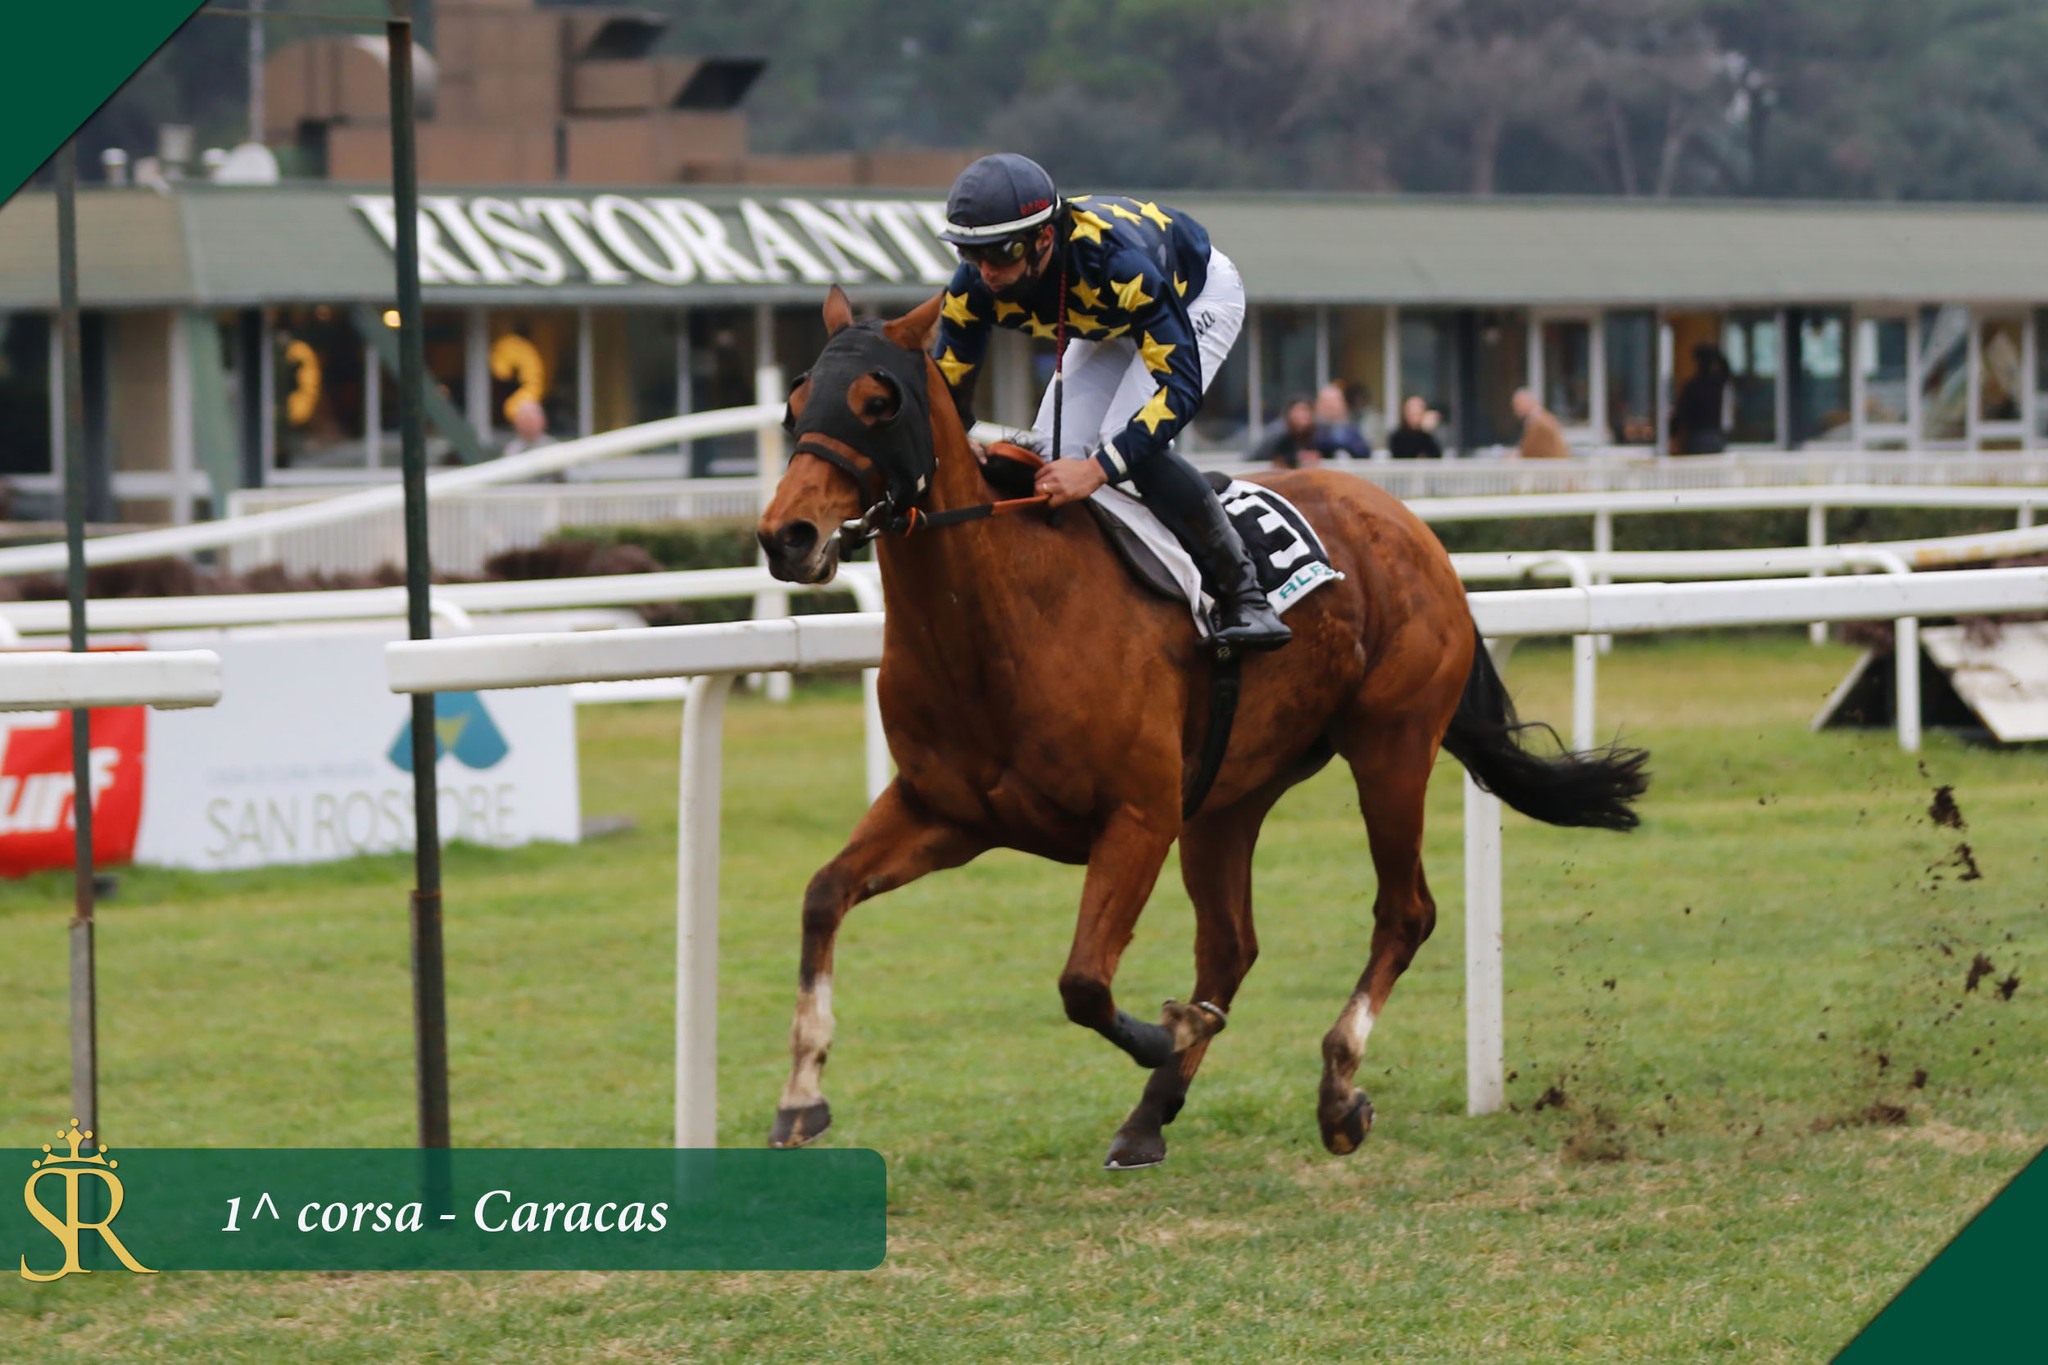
(1287,555)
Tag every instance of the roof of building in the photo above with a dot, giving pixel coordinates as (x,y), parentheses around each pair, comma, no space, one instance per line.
(310,242)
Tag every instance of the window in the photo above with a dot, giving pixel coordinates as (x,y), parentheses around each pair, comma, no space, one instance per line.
(1944,373)
(721,365)
(1881,354)
(1358,364)
(2040,375)
(1820,375)
(318,364)
(634,356)
(1631,345)
(1287,358)
(2001,362)
(446,342)
(25,444)
(1428,343)
(1568,371)
(533,356)
(1500,365)
(1750,341)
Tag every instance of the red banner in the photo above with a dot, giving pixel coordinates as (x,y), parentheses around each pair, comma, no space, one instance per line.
(36,827)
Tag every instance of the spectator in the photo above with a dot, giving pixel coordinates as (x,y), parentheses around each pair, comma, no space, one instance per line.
(1415,438)
(1337,432)
(1696,417)
(529,429)
(1542,437)
(1295,444)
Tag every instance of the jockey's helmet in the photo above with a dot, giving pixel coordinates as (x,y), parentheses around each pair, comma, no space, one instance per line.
(999,199)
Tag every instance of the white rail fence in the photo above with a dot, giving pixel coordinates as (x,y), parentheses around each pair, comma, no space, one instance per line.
(712,655)
(47,680)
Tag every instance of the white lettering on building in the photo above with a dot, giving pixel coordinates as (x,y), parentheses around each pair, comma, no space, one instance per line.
(616,239)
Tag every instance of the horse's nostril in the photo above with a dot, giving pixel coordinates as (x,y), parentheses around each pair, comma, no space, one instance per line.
(797,539)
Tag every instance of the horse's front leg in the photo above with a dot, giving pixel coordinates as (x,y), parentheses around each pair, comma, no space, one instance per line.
(897,841)
(1122,867)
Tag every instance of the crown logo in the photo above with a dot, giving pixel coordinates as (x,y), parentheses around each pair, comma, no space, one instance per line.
(74,1137)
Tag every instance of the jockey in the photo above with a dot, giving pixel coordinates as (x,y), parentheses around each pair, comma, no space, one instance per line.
(1150,311)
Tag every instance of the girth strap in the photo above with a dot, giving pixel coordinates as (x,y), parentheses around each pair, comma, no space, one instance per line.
(1223,689)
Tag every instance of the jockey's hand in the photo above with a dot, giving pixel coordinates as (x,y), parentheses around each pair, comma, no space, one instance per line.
(978,450)
(1070,480)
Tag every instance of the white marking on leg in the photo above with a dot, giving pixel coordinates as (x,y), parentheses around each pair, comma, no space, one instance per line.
(810,1039)
(1357,1023)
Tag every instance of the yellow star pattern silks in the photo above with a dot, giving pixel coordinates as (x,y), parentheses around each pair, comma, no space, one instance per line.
(1004,310)
(1130,293)
(1088,294)
(1041,329)
(954,368)
(1147,209)
(957,312)
(1084,323)
(1155,353)
(1155,412)
(1089,227)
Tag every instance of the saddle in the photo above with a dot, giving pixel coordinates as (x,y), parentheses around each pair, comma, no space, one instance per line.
(1287,556)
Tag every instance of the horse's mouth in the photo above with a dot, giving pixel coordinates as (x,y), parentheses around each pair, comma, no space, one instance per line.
(820,566)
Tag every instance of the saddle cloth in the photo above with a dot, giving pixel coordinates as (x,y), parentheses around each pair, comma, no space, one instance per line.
(1288,557)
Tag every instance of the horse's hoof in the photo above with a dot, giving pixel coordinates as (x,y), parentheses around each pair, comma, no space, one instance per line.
(795,1127)
(1133,1150)
(1346,1133)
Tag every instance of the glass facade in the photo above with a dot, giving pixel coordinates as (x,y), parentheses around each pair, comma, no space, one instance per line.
(1358,365)
(317,364)
(446,348)
(1429,369)
(26,446)
(1944,373)
(635,370)
(1750,342)
(1499,340)
(1882,352)
(1630,342)
(2001,368)
(1821,406)
(533,356)
(1568,370)
(1287,359)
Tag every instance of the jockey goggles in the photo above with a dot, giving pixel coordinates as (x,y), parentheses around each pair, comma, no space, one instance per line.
(1009,251)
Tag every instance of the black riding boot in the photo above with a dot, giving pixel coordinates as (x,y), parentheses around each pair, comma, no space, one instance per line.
(1243,617)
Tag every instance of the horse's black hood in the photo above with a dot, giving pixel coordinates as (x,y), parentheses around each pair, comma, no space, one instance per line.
(899,448)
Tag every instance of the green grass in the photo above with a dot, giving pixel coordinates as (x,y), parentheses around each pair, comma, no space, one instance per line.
(1712,995)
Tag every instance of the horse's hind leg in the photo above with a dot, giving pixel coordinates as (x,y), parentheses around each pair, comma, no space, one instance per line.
(897,841)
(1216,865)
(1390,761)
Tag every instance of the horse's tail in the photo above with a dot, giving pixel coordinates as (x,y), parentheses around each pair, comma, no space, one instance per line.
(1591,789)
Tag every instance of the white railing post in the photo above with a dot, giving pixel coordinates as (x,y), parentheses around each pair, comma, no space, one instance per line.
(1817,540)
(697,911)
(773,603)
(1603,544)
(1485,1012)
(867,596)
(1905,651)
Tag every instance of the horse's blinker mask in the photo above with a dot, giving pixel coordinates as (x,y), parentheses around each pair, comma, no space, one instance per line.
(897,449)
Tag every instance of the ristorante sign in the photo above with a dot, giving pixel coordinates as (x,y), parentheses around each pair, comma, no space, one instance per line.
(617,239)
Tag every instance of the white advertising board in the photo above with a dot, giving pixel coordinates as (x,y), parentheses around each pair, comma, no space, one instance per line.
(307,758)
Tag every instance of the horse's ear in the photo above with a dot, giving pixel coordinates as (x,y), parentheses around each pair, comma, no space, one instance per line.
(914,330)
(838,312)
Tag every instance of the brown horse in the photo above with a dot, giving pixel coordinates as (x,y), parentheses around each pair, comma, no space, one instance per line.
(1036,699)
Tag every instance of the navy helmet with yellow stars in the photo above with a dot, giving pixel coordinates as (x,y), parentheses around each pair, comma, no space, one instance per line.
(1127,268)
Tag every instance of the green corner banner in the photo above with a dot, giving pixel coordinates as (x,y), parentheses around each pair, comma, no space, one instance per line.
(64,60)
(1982,1296)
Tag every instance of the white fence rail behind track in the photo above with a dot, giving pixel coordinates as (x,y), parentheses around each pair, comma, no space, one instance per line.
(47,680)
(713,655)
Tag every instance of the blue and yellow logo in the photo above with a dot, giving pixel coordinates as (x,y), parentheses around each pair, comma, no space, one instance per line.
(461,727)
(71,1170)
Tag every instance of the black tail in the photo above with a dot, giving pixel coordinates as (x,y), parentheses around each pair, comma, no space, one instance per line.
(1591,789)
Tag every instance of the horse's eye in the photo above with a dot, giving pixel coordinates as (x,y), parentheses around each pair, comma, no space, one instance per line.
(877,406)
